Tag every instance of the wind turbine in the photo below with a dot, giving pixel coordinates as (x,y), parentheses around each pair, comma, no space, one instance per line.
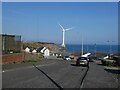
(63,34)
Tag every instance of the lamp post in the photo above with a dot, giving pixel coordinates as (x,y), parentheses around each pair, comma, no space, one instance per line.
(95,49)
(82,45)
(110,48)
(87,47)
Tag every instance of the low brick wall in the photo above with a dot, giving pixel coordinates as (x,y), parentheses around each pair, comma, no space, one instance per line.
(15,57)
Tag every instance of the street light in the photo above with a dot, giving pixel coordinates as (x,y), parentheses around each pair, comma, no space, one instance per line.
(82,45)
(87,47)
(95,49)
(110,47)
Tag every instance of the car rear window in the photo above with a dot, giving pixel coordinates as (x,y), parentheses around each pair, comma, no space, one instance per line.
(82,58)
(66,56)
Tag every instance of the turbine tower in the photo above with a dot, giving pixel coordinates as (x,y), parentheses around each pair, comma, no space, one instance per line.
(63,34)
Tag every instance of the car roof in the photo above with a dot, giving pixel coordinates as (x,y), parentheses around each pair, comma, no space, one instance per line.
(82,57)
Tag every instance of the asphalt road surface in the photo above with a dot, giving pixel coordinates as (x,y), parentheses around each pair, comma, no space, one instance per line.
(50,74)
(97,77)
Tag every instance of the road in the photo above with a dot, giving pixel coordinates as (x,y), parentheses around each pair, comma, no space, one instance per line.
(56,73)
(98,77)
(50,74)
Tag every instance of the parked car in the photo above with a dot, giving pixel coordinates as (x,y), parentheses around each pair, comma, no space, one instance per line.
(72,57)
(92,58)
(67,58)
(60,56)
(82,61)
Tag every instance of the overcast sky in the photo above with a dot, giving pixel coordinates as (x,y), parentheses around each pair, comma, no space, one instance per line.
(96,22)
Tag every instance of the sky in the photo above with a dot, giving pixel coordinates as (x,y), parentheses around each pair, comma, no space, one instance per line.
(96,22)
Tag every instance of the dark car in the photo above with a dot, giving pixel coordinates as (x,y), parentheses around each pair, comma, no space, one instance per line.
(92,58)
(82,61)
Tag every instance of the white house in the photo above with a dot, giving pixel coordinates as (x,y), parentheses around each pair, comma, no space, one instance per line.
(27,49)
(42,51)
(34,51)
(53,54)
(46,52)
(56,54)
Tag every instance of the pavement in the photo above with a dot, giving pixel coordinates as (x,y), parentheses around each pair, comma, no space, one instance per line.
(97,77)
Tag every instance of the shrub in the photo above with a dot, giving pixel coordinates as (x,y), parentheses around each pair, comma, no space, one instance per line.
(109,63)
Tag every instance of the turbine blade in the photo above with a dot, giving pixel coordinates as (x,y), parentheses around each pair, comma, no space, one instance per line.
(61,27)
(68,29)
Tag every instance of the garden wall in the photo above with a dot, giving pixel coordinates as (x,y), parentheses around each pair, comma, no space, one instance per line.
(14,57)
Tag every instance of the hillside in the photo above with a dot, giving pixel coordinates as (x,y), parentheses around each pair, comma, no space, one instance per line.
(52,46)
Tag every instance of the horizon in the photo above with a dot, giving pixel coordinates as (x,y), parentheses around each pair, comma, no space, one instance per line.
(97,22)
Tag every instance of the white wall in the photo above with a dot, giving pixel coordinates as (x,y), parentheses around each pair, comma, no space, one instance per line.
(47,52)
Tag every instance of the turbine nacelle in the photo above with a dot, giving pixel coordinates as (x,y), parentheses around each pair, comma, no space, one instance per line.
(65,29)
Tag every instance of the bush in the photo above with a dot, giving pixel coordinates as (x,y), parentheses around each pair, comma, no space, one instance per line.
(109,62)
(103,62)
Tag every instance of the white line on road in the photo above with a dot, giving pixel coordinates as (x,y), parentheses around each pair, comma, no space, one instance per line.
(45,64)
(27,67)
(3,71)
(82,84)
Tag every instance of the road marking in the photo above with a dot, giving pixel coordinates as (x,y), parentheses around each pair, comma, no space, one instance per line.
(27,67)
(3,71)
(45,64)
(82,84)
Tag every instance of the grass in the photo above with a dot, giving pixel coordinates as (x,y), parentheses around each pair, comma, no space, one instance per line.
(30,58)
(30,61)
(26,61)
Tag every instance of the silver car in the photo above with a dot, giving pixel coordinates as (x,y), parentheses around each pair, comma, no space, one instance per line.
(82,61)
(67,58)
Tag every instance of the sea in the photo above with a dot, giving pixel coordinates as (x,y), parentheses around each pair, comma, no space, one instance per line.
(111,49)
